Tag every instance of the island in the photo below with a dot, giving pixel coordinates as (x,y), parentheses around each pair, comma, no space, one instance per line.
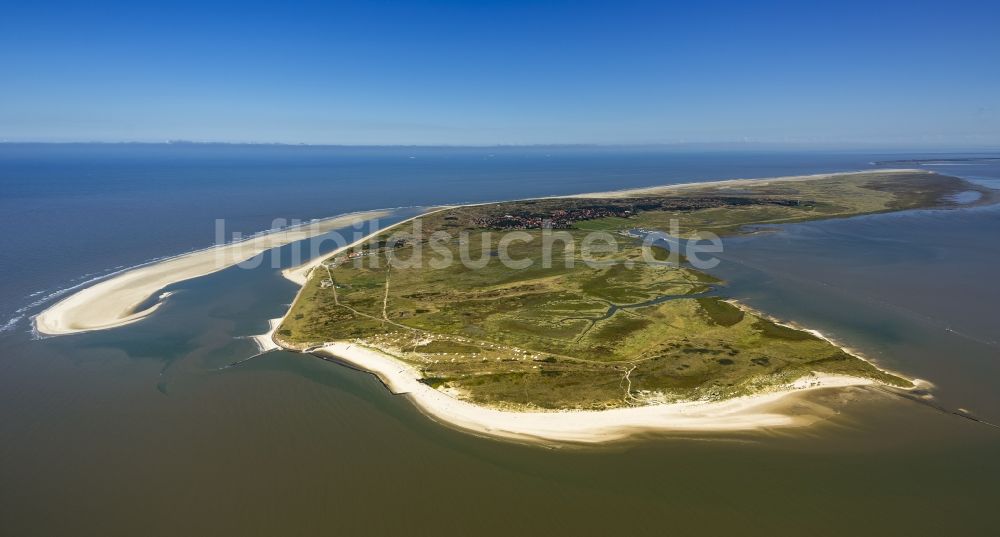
(576,319)
(511,319)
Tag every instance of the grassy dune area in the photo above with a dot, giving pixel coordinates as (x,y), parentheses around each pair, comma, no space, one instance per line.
(587,326)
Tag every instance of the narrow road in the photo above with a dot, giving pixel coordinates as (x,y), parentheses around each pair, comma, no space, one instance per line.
(333,285)
(385,299)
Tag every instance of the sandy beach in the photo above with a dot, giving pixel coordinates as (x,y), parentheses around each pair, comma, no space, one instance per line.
(265,342)
(113,302)
(729,183)
(300,274)
(582,426)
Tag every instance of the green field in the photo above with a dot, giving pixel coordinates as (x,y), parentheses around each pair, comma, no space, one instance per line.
(599,328)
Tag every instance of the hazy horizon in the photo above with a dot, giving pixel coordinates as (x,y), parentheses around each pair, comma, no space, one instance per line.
(502,73)
(928,148)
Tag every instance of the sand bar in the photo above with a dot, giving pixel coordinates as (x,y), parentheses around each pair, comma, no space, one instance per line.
(113,302)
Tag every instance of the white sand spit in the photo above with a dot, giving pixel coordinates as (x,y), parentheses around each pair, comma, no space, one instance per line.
(265,342)
(114,302)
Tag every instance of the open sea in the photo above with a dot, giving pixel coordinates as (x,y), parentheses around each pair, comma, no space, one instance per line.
(141,430)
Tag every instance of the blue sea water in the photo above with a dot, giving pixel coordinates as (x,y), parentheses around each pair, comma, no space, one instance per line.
(76,211)
(142,429)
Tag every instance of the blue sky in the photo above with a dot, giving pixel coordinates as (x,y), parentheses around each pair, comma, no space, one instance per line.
(862,73)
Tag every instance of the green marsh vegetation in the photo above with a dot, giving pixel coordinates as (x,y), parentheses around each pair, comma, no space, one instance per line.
(582,325)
